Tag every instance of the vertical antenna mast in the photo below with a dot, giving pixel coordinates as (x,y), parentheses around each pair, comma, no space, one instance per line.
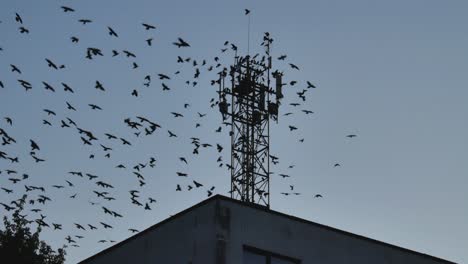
(248,35)
(250,109)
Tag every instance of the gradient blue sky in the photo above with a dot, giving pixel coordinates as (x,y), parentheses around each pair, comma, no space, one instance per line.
(392,72)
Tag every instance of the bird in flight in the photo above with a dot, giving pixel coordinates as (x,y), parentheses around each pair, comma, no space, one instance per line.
(148,26)
(177,114)
(310,85)
(9,120)
(14,68)
(34,145)
(293,66)
(112,32)
(85,21)
(67,9)
(149,41)
(171,134)
(27,85)
(18,18)
(181,43)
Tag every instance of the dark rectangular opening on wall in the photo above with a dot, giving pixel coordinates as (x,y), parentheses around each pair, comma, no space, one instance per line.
(253,255)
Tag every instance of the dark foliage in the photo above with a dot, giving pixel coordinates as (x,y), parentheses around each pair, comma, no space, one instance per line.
(19,245)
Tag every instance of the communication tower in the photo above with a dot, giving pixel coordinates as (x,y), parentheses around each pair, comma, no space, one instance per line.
(252,103)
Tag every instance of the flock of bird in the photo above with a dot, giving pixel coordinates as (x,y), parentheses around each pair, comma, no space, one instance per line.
(15,182)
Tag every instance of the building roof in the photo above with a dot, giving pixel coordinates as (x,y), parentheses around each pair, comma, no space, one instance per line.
(262,208)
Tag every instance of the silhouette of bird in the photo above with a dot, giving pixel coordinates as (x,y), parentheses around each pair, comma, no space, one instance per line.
(67,88)
(9,120)
(351,136)
(24,30)
(8,191)
(165,87)
(125,142)
(34,145)
(181,43)
(112,32)
(318,196)
(70,107)
(110,136)
(163,76)
(99,86)
(85,21)
(51,64)
(219,147)
(26,85)
(106,226)
(48,87)
(95,107)
(197,184)
(129,54)
(79,226)
(67,9)
(18,18)
(49,112)
(282,57)
(171,134)
(149,41)
(148,26)
(14,68)
(177,114)
(247,11)
(293,66)
(310,85)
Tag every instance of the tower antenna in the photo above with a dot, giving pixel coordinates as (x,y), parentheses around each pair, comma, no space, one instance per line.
(250,109)
(248,34)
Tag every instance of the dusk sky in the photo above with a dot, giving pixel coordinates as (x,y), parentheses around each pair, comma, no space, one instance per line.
(392,72)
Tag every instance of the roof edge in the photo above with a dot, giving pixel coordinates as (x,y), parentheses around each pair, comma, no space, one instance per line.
(265,209)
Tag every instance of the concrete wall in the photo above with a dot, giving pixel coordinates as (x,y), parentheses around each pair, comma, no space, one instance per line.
(216,231)
(188,239)
(308,242)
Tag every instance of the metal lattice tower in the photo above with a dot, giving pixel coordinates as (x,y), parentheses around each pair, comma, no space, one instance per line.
(250,109)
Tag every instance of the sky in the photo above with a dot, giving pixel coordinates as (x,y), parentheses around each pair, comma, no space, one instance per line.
(391,72)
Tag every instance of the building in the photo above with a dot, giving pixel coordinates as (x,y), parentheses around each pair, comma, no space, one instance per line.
(222,230)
